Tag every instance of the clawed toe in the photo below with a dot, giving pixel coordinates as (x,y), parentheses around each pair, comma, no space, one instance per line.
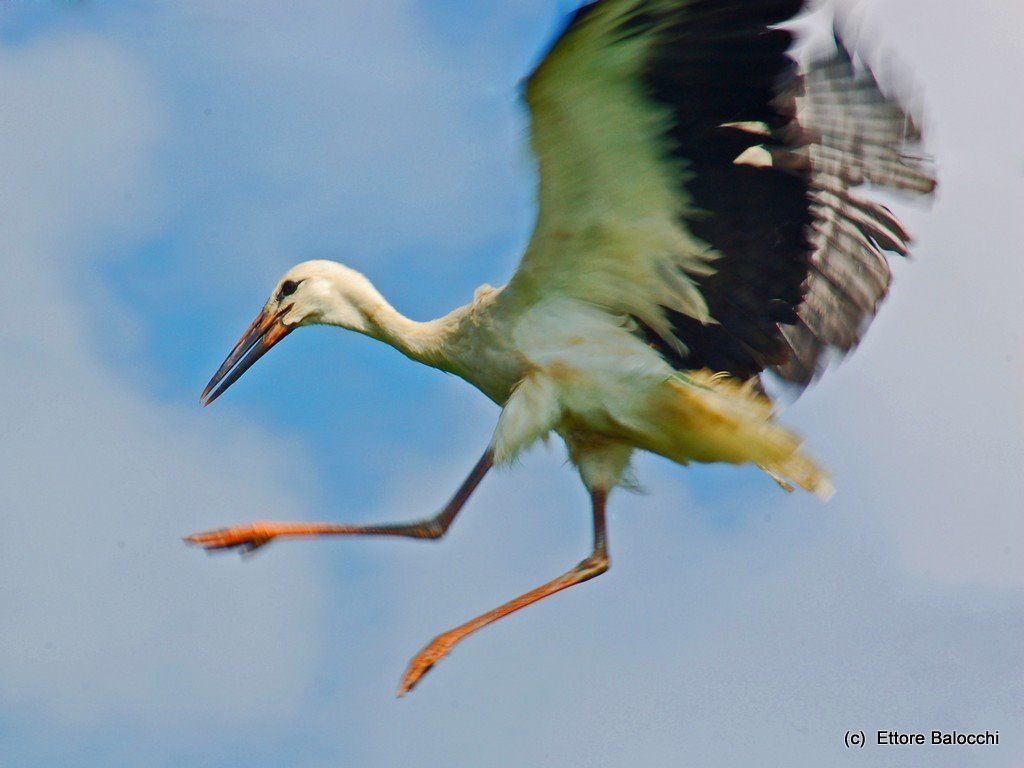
(245,539)
(423,663)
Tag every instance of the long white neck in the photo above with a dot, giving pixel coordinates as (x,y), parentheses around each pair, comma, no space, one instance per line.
(357,305)
(423,342)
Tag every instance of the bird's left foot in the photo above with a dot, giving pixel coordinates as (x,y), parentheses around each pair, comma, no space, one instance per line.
(437,649)
(244,538)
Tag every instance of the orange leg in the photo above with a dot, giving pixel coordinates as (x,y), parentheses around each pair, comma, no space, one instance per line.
(441,645)
(248,538)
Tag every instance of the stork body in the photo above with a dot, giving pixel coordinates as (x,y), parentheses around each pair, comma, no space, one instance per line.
(697,229)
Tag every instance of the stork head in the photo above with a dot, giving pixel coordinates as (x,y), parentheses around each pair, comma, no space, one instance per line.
(311,293)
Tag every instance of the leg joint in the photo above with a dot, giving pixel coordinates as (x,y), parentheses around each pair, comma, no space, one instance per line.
(595,565)
(430,529)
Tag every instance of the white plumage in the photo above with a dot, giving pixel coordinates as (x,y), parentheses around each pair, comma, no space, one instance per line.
(696,229)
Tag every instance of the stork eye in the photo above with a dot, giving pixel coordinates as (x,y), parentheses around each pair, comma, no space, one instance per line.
(287,288)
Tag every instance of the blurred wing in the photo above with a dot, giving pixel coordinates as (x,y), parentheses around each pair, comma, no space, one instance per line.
(848,133)
(692,179)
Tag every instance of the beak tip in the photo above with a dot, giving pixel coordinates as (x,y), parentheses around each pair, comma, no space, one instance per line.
(264,332)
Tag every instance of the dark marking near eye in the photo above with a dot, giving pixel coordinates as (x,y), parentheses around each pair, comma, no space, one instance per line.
(287,289)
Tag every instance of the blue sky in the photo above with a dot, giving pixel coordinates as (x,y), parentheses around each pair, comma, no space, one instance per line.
(165,162)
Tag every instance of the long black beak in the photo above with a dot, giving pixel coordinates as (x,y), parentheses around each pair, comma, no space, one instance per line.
(266,330)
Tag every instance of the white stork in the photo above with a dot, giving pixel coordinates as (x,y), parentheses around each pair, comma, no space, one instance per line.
(697,228)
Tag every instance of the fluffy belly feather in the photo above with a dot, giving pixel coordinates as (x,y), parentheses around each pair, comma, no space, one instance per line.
(694,417)
(588,376)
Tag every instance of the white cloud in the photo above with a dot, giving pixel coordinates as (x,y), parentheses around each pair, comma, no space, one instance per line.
(701,644)
(349,113)
(927,417)
(105,612)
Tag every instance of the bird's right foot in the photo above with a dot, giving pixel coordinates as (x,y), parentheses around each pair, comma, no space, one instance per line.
(244,538)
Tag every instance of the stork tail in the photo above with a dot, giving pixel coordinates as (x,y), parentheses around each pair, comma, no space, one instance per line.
(717,418)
